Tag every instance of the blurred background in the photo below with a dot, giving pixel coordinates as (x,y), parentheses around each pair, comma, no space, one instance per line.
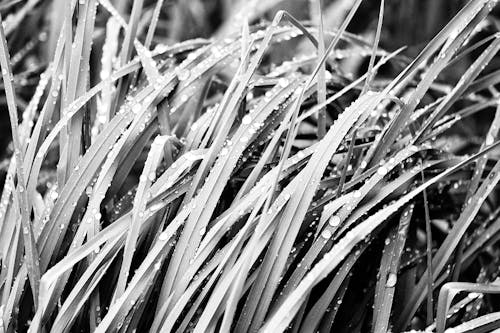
(410,23)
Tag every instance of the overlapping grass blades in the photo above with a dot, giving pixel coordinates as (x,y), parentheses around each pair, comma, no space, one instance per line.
(208,186)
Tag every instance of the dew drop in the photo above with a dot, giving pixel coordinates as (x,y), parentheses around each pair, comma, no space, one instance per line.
(334,221)
(382,171)
(183,74)
(246,120)
(136,108)
(473,295)
(391,280)
(282,82)
(326,234)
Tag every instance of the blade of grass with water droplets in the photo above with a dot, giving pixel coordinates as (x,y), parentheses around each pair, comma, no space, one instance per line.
(119,123)
(143,275)
(428,250)
(252,307)
(486,323)
(332,229)
(148,63)
(284,314)
(245,205)
(371,72)
(226,162)
(82,290)
(472,72)
(117,229)
(451,289)
(318,17)
(451,241)
(475,181)
(321,308)
(388,271)
(127,44)
(77,80)
(483,82)
(130,159)
(295,212)
(189,238)
(148,175)
(480,10)
(31,250)
(114,230)
(346,164)
(153,24)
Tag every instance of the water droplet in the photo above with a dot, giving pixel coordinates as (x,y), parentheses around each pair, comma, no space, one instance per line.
(246,120)
(136,108)
(334,221)
(473,295)
(382,171)
(326,234)
(391,280)
(183,74)
(283,82)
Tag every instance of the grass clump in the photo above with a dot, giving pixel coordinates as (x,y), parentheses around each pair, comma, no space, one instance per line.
(283,175)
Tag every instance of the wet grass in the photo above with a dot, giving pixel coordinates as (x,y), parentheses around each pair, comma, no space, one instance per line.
(283,175)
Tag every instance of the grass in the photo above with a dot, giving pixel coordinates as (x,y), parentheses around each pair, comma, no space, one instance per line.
(285,174)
